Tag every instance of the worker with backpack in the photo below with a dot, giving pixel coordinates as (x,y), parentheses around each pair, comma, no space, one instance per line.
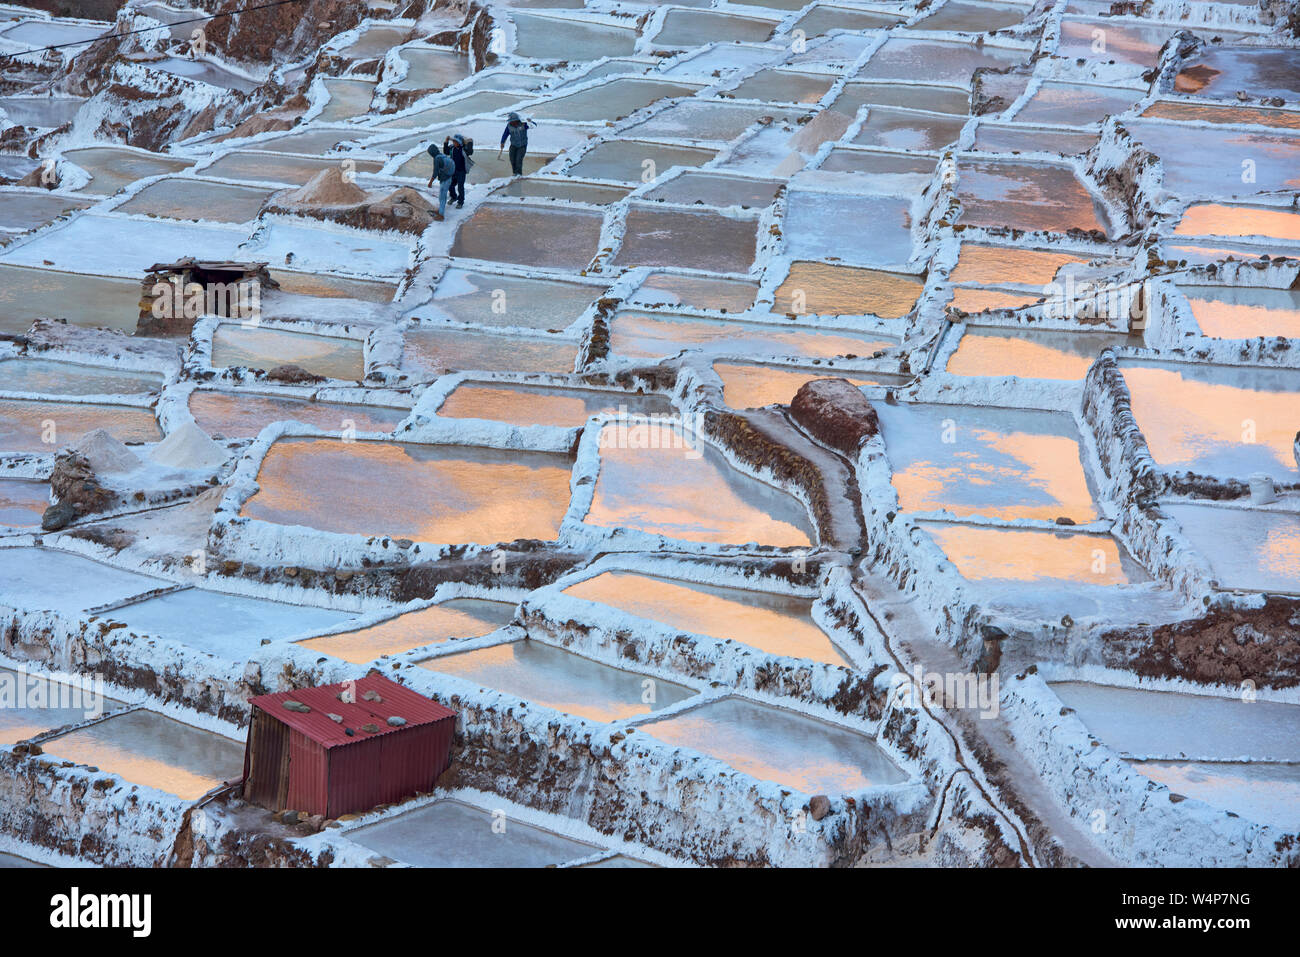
(460,148)
(444,169)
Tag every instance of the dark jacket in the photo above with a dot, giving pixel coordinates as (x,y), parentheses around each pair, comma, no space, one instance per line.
(459,153)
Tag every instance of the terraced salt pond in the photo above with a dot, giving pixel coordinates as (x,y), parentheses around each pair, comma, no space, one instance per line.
(999,463)
(44,427)
(36,579)
(771,744)
(1026,196)
(433,351)
(940,61)
(546,187)
(447,494)
(696,292)
(813,288)
(154,751)
(483,299)
(1075,104)
(934,99)
(454,618)
(538,405)
(46,705)
(541,37)
(259,347)
(706,120)
(1235,755)
(530,235)
(194,199)
(687,239)
(1227,312)
(784,86)
(613,100)
(636,335)
(1247,549)
(1042,573)
(347,98)
(991,351)
(887,243)
(112,168)
(1193,163)
(559,679)
(908,130)
(1228,421)
(716,189)
(28,294)
(1220,219)
(48,377)
(22,211)
(453,834)
(684,28)
(229,626)
(685,489)
(636,161)
(22,503)
(278,168)
(776,624)
(242,415)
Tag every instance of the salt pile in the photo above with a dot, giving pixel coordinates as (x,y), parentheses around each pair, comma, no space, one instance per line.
(105,453)
(189,448)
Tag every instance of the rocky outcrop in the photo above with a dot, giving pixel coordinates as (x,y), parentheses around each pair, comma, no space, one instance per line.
(77,491)
(835,412)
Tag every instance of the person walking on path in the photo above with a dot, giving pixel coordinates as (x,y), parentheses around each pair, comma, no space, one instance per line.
(460,150)
(516,132)
(444,168)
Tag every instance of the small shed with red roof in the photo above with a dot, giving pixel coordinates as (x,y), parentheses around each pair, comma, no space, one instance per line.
(345,748)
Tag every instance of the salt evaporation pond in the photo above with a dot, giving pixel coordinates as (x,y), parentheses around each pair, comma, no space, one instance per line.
(242,415)
(807,755)
(432,69)
(540,37)
(1241,756)
(45,112)
(1220,219)
(823,18)
(776,624)
(707,120)
(999,463)
(483,299)
(784,86)
(990,138)
(446,494)
(1193,158)
(609,101)
(689,491)
(935,99)
(37,579)
(753,385)
(45,705)
(45,427)
(538,236)
(695,292)
(112,168)
(453,834)
(1076,104)
(22,503)
(1236,114)
(278,168)
(49,377)
(1229,312)
(547,187)
(824,225)
(539,405)
(331,287)
(961,16)
(1218,73)
(1263,793)
(1247,549)
(154,751)
(1228,421)
(259,347)
(716,189)
(1030,196)
(1036,354)
(28,294)
(654,336)
(25,211)
(907,130)
(559,679)
(205,71)
(230,626)
(686,28)
(688,239)
(454,618)
(436,351)
(813,288)
(347,98)
(940,61)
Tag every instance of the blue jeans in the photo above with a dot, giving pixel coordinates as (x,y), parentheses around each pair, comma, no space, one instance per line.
(443,186)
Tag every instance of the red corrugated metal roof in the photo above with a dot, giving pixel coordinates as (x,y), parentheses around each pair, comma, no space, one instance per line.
(395,701)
